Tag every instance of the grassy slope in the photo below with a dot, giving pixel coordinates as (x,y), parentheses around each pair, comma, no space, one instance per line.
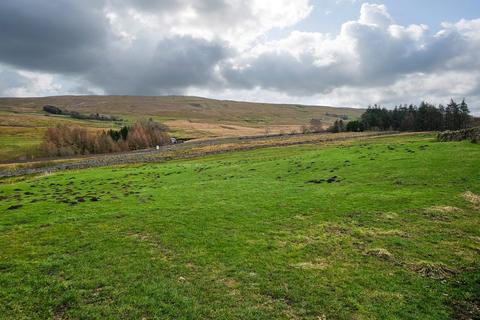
(19,143)
(181,107)
(243,235)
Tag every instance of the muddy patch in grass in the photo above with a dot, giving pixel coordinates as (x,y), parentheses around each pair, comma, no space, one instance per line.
(14,207)
(329,180)
(337,230)
(60,311)
(465,310)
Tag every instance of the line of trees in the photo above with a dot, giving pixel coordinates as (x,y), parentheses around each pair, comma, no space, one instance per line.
(426,117)
(65,140)
(78,115)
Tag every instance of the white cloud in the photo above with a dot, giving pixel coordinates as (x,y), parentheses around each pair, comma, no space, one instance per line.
(24,83)
(237,22)
(372,57)
(27,83)
(376,15)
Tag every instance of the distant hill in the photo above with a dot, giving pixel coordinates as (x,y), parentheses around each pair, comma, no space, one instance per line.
(184,108)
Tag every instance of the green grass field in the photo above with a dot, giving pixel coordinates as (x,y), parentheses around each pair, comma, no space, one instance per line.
(385,228)
(19,143)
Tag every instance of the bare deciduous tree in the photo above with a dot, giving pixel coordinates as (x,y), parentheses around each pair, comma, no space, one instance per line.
(64,140)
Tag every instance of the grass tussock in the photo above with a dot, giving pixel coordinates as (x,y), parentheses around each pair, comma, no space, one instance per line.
(472,198)
(444,209)
(442,213)
(432,270)
(381,253)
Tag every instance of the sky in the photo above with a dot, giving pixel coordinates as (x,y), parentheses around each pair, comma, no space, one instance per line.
(345,53)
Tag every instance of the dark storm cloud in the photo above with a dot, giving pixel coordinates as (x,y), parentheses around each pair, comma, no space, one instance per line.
(156,6)
(207,11)
(176,63)
(75,37)
(55,36)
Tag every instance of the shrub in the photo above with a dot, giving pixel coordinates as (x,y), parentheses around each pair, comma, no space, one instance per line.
(316,125)
(304,129)
(355,126)
(338,126)
(52,109)
(147,134)
(66,140)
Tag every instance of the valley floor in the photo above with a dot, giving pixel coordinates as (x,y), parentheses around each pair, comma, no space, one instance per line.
(190,149)
(384,228)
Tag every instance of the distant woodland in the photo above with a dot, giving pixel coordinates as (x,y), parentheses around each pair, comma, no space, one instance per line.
(425,117)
